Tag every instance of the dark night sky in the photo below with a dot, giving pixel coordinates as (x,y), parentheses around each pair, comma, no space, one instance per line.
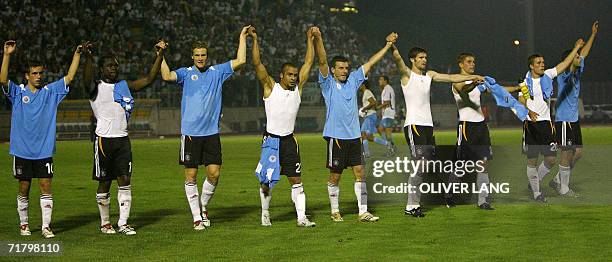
(487,28)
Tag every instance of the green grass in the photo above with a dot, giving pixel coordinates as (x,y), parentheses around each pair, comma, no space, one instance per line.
(518,230)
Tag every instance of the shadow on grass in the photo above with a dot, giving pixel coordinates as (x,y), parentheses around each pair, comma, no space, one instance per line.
(73,222)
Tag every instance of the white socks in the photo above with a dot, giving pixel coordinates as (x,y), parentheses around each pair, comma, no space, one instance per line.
(414,195)
(103,200)
(564,177)
(361,192)
(191,191)
(46,206)
(543,170)
(534,180)
(334,193)
(299,200)
(265,200)
(22,209)
(124,197)
(208,190)
(482,179)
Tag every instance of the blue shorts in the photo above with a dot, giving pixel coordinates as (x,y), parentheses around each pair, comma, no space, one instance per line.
(369,124)
(387,122)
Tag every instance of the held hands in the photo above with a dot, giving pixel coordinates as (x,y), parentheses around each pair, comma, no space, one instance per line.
(316,32)
(252,32)
(84,47)
(245,31)
(9,47)
(391,38)
(579,43)
(309,34)
(161,46)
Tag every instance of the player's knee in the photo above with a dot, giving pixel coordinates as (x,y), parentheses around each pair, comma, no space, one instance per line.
(45,186)
(532,162)
(550,161)
(191,174)
(104,186)
(578,154)
(24,187)
(358,172)
(214,173)
(295,180)
(334,179)
(123,181)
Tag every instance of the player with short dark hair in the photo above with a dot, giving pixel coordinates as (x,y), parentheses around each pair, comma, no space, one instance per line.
(539,135)
(112,104)
(370,120)
(567,124)
(418,127)
(33,122)
(387,105)
(341,129)
(200,113)
(473,139)
(280,154)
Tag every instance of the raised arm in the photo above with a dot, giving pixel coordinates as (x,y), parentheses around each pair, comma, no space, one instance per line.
(166,74)
(568,60)
(454,78)
(584,52)
(308,60)
(88,69)
(321,55)
(401,66)
(74,65)
(260,70)
(241,53)
(391,38)
(9,48)
(150,77)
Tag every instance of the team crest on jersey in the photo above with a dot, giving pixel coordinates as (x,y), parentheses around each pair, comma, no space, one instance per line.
(272,158)
(338,86)
(194,77)
(25,99)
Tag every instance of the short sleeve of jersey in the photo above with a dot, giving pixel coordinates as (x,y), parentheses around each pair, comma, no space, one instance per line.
(367,94)
(386,94)
(181,73)
(358,76)
(10,91)
(59,88)
(225,70)
(323,80)
(552,73)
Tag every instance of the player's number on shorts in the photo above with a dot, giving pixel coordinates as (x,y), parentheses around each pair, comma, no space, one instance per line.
(130,170)
(49,168)
(298,167)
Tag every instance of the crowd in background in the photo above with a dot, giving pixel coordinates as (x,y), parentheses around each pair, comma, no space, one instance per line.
(49,31)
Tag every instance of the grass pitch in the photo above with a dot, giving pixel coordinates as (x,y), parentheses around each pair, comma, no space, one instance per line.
(517,230)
